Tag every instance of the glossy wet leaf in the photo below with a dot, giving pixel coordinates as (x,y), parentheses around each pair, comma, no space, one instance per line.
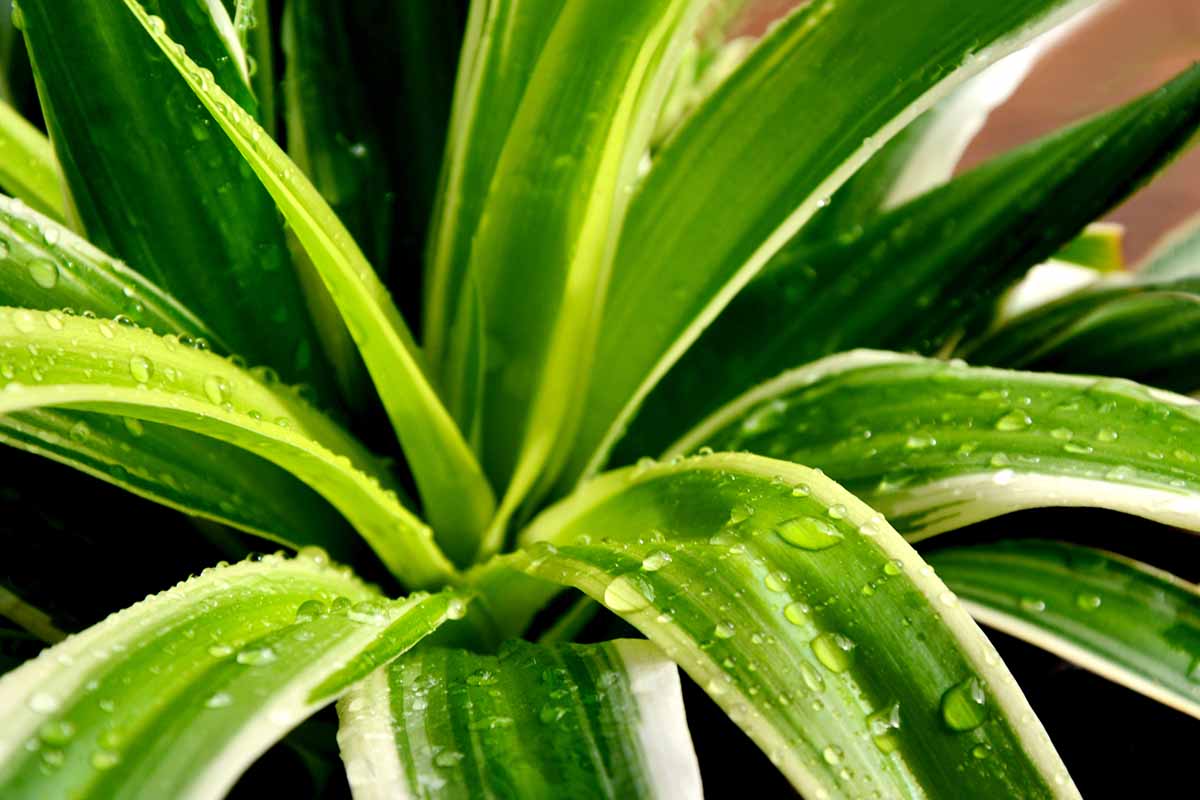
(1129,622)
(180,207)
(830,86)
(457,498)
(917,277)
(843,661)
(28,169)
(175,696)
(600,720)
(936,445)
(103,366)
(541,253)
(46,267)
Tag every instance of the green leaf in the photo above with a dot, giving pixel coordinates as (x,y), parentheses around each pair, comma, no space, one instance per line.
(547,229)
(102,366)
(165,205)
(1177,255)
(457,498)
(1131,623)
(534,721)
(924,155)
(32,619)
(28,169)
(805,616)
(47,267)
(252,22)
(178,694)
(760,157)
(915,278)
(936,445)
(1100,247)
(501,46)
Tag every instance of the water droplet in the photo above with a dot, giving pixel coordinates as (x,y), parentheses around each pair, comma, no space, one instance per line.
(44,273)
(893,567)
(1033,605)
(43,703)
(808,533)
(1088,602)
(141,368)
(834,651)
(310,610)
(628,593)
(1063,434)
(774,582)
(219,700)
(220,650)
(919,442)
(216,389)
(456,608)
(724,630)
(24,322)
(656,561)
(369,612)
(837,511)
(796,613)
(1014,420)
(256,656)
(980,751)
(449,758)
(56,733)
(482,677)
(964,705)
(105,759)
(1106,435)
(832,755)
(884,726)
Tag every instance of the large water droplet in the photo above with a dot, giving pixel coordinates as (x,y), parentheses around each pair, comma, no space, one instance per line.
(724,630)
(655,561)
(834,651)
(256,656)
(216,389)
(796,613)
(44,703)
(141,368)
(310,610)
(1014,420)
(808,533)
(1088,602)
(964,705)
(44,273)
(627,593)
(56,733)
(884,726)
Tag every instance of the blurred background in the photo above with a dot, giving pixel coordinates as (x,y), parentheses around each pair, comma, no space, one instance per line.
(1124,50)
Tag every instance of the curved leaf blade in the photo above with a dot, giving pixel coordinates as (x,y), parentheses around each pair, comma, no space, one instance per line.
(936,445)
(48,267)
(1128,622)
(781,594)
(105,367)
(917,277)
(458,499)
(164,206)
(178,694)
(760,157)
(28,168)
(534,721)
(548,227)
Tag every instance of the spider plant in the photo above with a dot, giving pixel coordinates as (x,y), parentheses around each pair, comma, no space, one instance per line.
(682,346)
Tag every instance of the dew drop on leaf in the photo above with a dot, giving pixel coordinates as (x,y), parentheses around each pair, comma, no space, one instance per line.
(808,533)
(256,656)
(884,726)
(216,389)
(1014,420)
(834,651)
(655,561)
(964,705)
(310,610)
(626,594)
(141,368)
(44,273)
